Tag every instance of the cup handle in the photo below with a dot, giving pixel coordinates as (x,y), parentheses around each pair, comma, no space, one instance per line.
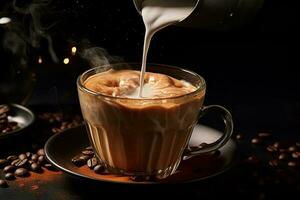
(227,119)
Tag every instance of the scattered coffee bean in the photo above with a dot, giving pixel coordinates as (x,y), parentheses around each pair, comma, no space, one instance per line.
(273,163)
(99,169)
(21,172)
(239,136)
(12,157)
(34,157)
(28,154)
(22,163)
(277,145)
(14,163)
(85,157)
(264,135)
(30,161)
(92,162)
(272,148)
(283,156)
(252,160)
(292,148)
(78,161)
(41,159)
(41,152)
(3,184)
(9,168)
(89,148)
(292,164)
(9,176)
(22,156)
(255,141)
(296,154)
(35,167)
(87,152)
(3,163)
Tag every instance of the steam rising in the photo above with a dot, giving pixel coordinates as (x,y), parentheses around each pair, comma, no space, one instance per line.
(25,28)
(98,57)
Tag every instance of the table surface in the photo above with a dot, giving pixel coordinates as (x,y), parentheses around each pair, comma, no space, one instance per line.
(243,180)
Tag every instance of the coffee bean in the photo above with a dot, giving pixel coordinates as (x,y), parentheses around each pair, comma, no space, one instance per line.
(22,163)
(34,157)
(239,136)
(264,135)
(78,161)
(292,164)
(3,184)
(252,160)
(35,167)
(15,162)
(298,144)
(273,163)
(255,141)
(9,176)
(283,156)
(85,157)
(50,167)
(92,162)
(89,148)
(41,159)
(21,172)
(296,154)
(9,168)
(99,169)
(87,152)
(41,152)
(3,163)
(12,157)
(292,148)
(28,154)
(4,108)
(22,156)
(272,149)
(56,130)
(277,145)
(30,161)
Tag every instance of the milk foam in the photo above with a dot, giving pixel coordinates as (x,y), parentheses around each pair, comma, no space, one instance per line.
(125,83)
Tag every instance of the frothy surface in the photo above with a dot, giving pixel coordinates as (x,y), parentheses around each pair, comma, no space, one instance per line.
(125,83)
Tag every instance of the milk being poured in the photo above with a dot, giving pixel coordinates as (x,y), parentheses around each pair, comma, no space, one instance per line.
(156,15)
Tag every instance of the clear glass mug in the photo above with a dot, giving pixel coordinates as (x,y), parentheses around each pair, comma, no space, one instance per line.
(147,137)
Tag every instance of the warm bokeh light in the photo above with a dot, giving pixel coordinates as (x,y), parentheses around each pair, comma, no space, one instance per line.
(40,60)
(66,61)
(73,50)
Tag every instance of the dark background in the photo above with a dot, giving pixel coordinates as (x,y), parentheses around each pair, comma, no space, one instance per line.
(248,69)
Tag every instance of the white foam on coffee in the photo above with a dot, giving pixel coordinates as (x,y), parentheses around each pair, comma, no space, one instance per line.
(158,14)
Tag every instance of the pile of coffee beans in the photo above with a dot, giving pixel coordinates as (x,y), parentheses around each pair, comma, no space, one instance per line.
(6,125)
(21,165)
(61,122)
(87,157)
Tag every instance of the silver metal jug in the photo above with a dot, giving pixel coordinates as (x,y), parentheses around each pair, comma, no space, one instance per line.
(213,14)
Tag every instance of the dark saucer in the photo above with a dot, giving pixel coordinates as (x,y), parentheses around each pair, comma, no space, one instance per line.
(62,147)
(20,114)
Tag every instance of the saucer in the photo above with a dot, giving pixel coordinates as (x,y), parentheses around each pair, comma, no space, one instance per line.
(20,114)
(62,147)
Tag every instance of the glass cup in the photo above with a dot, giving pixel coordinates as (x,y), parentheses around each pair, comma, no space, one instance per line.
(147,137)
